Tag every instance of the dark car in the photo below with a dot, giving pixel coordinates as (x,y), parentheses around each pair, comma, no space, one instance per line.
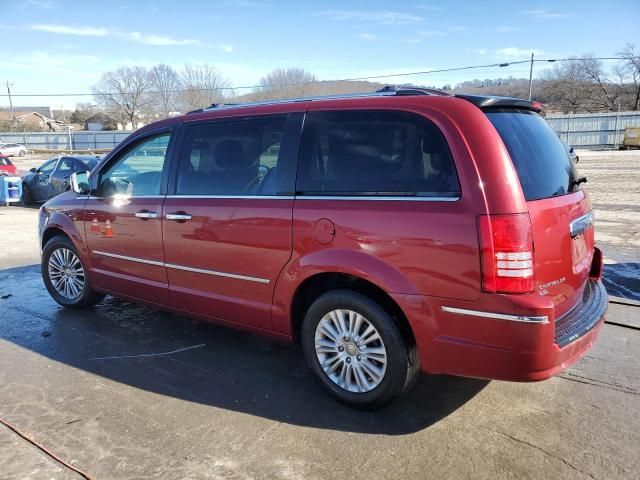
(52,177)
(571,152)
(388,233)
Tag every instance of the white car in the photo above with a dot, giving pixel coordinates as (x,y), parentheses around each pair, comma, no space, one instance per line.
(12,149)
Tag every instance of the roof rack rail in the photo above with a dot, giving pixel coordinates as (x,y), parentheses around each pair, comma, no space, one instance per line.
(212,106)
(411,90)
(387,91)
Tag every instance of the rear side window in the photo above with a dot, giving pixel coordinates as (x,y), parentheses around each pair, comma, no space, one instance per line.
(543,165)
(374,153)
(231,157)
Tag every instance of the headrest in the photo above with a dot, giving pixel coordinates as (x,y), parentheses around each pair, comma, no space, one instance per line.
(230,154)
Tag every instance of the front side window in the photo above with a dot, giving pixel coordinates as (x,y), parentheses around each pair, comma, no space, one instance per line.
(138,172)
(236,157)
(374,153)
(47,168)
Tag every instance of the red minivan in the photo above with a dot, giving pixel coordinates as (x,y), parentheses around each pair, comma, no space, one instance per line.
(388,233)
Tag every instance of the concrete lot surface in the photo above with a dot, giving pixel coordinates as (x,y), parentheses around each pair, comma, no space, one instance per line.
(124,392)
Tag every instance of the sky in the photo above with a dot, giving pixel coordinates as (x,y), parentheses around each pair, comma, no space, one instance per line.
(64,46)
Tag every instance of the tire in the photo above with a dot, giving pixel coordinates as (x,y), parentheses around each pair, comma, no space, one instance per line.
(27,197)
(22,153)
(62,249)
(368,392)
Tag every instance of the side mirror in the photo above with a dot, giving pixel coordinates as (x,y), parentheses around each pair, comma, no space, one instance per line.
(33,170)
(80,183)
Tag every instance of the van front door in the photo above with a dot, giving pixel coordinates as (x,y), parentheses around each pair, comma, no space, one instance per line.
(123,223)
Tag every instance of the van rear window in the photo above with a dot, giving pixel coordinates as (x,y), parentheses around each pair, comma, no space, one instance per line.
(544,168)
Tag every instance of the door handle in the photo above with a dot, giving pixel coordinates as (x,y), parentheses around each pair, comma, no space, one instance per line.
(178,216)
(146,214)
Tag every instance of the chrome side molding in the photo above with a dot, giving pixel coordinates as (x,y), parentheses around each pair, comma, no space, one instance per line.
(182,267)
(130,259)
(543,319)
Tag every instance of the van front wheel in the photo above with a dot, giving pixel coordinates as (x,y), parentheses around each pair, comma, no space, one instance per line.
(356,350)
(65,276)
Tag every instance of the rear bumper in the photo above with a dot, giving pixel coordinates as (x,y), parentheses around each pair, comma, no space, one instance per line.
(501,349)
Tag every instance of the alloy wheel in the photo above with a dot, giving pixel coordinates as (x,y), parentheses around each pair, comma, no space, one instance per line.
(350,351)
(66,273)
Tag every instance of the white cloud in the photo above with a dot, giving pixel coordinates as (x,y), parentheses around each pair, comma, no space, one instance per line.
(155,40)
(429,8)
(225,47)
(366,36)
(385,17)
(457,28)
(544,13)
(137,37)
(82,31)
(518,52)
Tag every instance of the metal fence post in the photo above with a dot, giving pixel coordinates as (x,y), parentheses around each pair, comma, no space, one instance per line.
(615,129)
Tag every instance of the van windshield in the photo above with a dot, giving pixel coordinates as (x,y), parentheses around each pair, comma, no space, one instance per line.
(543,165)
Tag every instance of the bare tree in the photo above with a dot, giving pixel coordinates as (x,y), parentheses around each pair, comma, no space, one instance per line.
(165,83)
(604,91)
(202,86)
(124,93)
(629,73)
(567,87)
(285,83)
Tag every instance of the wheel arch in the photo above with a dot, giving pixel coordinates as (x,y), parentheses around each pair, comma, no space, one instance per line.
(60,224)
(51,232)
(315,285)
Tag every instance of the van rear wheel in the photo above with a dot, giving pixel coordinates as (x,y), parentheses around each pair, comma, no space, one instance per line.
(356,351)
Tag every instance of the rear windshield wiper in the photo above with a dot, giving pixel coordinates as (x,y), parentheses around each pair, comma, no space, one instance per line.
(576,182)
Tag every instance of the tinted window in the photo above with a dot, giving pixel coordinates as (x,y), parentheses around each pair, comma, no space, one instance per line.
(542,163)
(138,171)
(375,153)
(230,158)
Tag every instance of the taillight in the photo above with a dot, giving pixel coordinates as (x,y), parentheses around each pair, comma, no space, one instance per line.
(506,249)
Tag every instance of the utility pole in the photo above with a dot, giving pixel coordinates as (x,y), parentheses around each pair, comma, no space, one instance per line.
(13,117)
(531,77)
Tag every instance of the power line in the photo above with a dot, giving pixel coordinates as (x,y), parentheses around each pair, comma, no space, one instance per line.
(315,82)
